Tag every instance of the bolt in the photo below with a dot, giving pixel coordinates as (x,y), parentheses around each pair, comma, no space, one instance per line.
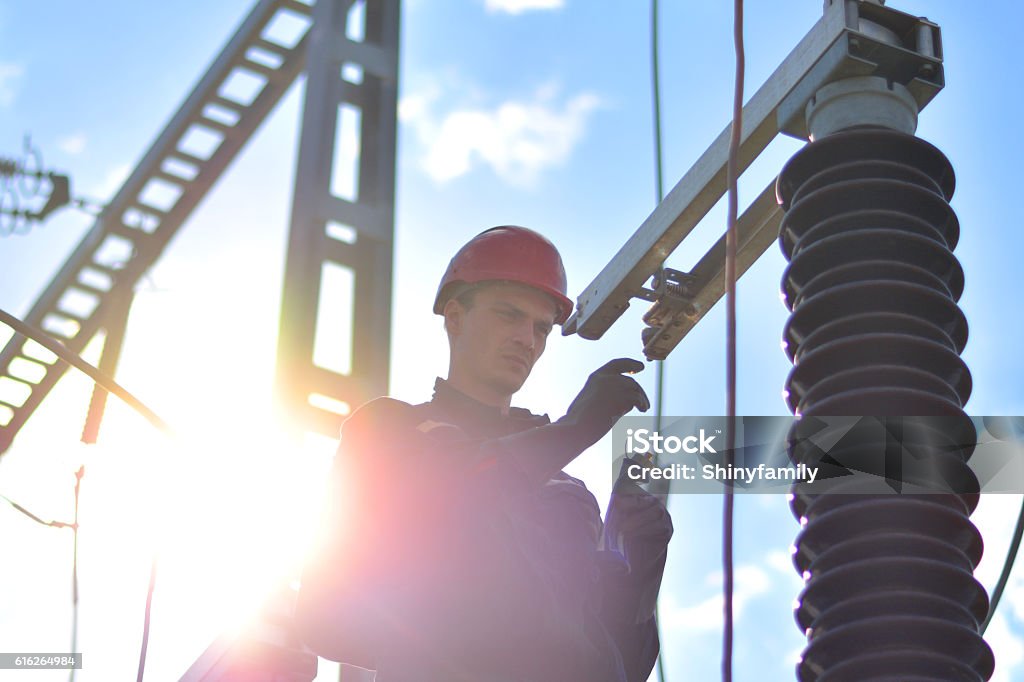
(926,70)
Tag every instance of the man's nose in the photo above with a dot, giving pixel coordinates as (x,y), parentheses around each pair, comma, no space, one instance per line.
(523,334)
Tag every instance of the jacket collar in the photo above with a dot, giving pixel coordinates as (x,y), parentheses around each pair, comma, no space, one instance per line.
(451,398)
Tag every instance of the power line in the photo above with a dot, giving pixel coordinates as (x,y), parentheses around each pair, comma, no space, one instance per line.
(76,361)
(37,519)
(730,355)
(74,556)
(107,382)
(659,365)
(74,572)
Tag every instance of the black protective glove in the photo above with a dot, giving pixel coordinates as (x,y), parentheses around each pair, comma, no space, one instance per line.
(537,454)
(607,395)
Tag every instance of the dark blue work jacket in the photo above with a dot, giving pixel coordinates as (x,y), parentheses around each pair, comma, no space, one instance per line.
(438,564)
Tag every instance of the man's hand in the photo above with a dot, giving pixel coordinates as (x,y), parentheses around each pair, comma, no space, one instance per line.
(607,395)
(644,528)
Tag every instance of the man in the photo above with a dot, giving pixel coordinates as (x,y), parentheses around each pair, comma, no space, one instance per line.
(455,549)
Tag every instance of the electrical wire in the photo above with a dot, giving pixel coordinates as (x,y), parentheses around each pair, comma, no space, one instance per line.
(1004,577)
(74,572)
(74,556)
(659,187)
(88,206)
(76,361)
(146,621)
(26,512)
(730,364)
(659,178)
(107,382)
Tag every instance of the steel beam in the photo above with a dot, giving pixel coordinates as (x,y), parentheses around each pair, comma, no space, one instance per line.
(835,48)
(352,235)
(115,328)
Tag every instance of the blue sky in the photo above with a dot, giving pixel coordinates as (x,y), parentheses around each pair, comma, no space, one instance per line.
(512,111)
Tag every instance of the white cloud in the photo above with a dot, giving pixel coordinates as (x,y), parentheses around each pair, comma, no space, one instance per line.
(750,581)
(73,144)
(519,6)
(995,518)
(1013,596)
(1007,647)
(517,139)
(781,561)
(10,75)
(414,107)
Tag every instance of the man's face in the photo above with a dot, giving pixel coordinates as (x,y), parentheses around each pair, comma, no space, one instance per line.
(496,341)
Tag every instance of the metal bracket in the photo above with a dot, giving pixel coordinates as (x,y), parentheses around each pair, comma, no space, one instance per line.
(673,299)
(853,38)
(704,286)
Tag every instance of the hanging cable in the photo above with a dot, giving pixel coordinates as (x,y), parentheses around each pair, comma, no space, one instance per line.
(659,182)
(1004,576)
(74,571)
(76,361)
(659,187)
(107,382)
(730,354)
(26,512)
(147,619)
(74,556)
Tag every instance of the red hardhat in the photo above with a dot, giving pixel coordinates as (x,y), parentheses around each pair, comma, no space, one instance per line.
(511,254)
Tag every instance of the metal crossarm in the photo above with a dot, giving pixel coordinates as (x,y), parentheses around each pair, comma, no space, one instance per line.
(838,46)
(236,94)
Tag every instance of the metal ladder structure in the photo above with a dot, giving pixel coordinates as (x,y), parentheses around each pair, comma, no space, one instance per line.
(234,97)
(356,65)
(341,242)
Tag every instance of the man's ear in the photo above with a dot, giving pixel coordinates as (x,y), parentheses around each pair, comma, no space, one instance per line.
(454,316)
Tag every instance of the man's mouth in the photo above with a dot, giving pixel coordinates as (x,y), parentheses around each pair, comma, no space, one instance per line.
(518,360)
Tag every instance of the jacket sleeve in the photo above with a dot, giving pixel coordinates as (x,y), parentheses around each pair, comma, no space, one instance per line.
(628,607)
(417,549)
(638,644)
